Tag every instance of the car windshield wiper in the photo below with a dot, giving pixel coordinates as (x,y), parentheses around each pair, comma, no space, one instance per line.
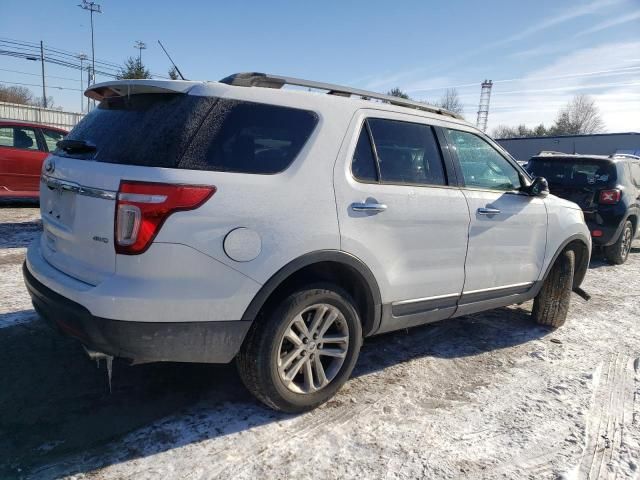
(76,146)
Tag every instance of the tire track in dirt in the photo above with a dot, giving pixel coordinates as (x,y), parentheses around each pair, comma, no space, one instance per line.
(610,415)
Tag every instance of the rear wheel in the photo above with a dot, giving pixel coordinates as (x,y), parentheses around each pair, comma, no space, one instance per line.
(619,251)
(303,351)
(551,305)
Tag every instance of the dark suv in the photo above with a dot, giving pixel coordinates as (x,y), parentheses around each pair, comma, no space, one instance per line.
(606,188)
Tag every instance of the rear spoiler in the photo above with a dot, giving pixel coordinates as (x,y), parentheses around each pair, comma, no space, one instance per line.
(119,88)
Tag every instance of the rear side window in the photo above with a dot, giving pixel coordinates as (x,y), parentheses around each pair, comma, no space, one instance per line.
(249,137)
(18,137)
(407,153)
(191,132)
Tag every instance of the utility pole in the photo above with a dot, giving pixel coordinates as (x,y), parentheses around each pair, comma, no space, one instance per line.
(92,7)
(82,57)
(44,92)
(88,83)
(140,46)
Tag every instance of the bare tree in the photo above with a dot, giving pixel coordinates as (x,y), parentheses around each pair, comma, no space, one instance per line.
(396,92)
(450,101)
(37,102)
(580,116)
(504,131)
(20,95)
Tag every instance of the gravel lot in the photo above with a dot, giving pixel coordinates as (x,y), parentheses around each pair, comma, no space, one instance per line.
(485,396)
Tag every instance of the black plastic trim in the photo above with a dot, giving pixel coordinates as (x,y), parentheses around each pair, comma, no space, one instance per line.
(421,306)
(481,296)
(580,269)
(140,342)
(306,260)
(449,162)
(391,322)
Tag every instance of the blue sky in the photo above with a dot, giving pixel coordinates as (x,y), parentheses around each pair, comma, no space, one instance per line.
(539,54)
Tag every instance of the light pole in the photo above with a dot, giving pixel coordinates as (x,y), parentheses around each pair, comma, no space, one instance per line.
(140,46)
(92,7)
(82,57)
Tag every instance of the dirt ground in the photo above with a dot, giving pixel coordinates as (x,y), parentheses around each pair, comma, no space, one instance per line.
(485,396)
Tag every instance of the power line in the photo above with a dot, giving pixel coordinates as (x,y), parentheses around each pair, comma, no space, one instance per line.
(63,57)
(40,85)
(615,71)
(37,74)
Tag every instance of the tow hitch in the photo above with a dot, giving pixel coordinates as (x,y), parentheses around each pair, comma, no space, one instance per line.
(581,293)
(108,359)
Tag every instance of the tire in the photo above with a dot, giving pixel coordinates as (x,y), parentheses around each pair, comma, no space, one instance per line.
(269,355)
(619,251)
(551,305)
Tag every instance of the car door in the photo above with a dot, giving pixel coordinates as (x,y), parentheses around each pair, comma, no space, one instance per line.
(20,160)
(398,214)
(508,228)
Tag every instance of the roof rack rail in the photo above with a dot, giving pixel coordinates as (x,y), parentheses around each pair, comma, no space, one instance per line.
(552,152)
(256,79)
(625,155)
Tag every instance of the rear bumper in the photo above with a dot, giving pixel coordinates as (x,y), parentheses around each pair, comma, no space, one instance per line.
(140,342)
(607,221)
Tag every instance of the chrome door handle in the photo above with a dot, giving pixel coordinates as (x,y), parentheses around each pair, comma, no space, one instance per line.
(368,207)
(488,211)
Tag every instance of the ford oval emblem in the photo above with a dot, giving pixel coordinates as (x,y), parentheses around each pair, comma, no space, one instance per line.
(49,166)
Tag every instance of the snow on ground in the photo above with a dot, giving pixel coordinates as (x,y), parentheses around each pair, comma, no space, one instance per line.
(485,396)
(18,227)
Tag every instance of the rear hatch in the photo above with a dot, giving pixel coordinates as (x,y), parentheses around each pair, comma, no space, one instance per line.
(118,140)
(152,133)
(576,179)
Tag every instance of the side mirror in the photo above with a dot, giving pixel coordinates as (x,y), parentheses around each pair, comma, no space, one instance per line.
(539,187)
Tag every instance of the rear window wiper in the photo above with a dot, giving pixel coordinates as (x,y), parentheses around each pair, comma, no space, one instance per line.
(76,146)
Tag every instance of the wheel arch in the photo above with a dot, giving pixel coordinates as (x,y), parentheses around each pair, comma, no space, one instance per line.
(633,218)
(335,266)
(581,247)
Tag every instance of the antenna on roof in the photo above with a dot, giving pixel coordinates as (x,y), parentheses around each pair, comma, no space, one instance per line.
(174,65)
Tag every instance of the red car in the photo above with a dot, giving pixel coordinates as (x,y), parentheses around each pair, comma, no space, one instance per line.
(23,148)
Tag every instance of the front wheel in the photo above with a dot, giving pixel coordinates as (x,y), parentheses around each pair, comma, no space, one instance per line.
(619,251)
(301,353)
(551,305)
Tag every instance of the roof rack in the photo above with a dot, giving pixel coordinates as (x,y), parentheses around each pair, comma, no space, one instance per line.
(625,155)
(256,79)
(545,153)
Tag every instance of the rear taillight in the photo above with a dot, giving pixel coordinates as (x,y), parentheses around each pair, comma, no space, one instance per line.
(142,208)
(609,197)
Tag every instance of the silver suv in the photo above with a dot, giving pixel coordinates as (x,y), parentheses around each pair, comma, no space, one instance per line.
(277,226)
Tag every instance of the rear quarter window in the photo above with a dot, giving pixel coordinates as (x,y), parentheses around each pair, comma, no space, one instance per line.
(249,137)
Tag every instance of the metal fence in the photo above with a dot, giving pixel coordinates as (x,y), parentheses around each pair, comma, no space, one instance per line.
(45,116)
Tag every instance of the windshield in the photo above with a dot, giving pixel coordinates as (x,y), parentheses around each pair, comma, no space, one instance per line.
(570,172)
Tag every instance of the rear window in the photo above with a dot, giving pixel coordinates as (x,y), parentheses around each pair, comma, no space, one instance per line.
(198,133)
(565,171)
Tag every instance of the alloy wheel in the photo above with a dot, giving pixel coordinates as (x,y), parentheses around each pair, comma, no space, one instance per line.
(313,348)
(625,247)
